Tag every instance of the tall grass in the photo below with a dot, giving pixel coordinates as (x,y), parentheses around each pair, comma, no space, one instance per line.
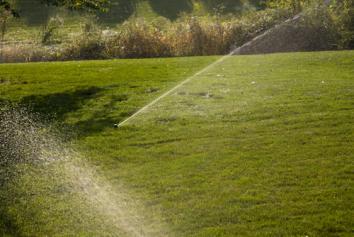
(28,53)
(187,36)
(136,39)
(139,38)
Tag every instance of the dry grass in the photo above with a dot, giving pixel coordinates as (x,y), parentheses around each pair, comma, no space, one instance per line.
(138,38)
(27,53)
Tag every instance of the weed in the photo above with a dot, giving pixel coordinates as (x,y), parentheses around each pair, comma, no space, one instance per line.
(49,29)
(5,15)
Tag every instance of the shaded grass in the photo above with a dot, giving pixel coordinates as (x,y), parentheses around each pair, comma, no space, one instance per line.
(171,9)
(269,152)
(57,105)
(88,89)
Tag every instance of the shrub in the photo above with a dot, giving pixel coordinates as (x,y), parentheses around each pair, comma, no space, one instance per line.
(330,25)
(342,16)
(139,38)
(86,45)
(27,53)
(136,39)
(320,28)
(295,6)
(49,29)
(5,15)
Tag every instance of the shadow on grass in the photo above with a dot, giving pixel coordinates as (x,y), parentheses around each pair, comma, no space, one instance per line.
(119,11)
(171,9)
(7,225)
(101,119)
(55,107)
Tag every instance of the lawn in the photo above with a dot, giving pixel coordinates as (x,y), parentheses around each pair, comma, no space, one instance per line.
(257,146)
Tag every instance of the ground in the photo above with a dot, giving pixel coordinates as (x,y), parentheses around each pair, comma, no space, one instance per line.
(257,146)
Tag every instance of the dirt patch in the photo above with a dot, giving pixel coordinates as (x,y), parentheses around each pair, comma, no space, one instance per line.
(4,81)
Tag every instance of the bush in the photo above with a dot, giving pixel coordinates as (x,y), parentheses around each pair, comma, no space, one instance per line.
(27,53)
(49,29)
(5,15)
(331,25)
(84,47)
(320,28)
(338,18)
(188,36)
(295,6)
(137,39)
(342,16)
(87,44)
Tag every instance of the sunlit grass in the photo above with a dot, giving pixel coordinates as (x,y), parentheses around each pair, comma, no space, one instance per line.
(258,146)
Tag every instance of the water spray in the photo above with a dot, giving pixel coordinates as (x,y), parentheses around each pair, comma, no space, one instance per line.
(237,51)
(31,150)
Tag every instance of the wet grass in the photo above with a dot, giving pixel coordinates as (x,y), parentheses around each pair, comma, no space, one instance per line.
(92,96)
(258,146)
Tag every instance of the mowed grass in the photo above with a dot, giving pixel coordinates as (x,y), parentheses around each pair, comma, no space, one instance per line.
(258,146)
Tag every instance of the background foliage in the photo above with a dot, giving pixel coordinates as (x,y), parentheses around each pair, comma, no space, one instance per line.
(156,28)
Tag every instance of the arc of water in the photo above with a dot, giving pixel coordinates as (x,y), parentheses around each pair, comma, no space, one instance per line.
(173,89)
(233,52)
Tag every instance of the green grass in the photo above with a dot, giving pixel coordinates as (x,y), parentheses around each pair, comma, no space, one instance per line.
(258,146)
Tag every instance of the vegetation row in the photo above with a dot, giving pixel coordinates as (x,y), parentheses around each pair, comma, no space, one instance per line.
(325,28)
